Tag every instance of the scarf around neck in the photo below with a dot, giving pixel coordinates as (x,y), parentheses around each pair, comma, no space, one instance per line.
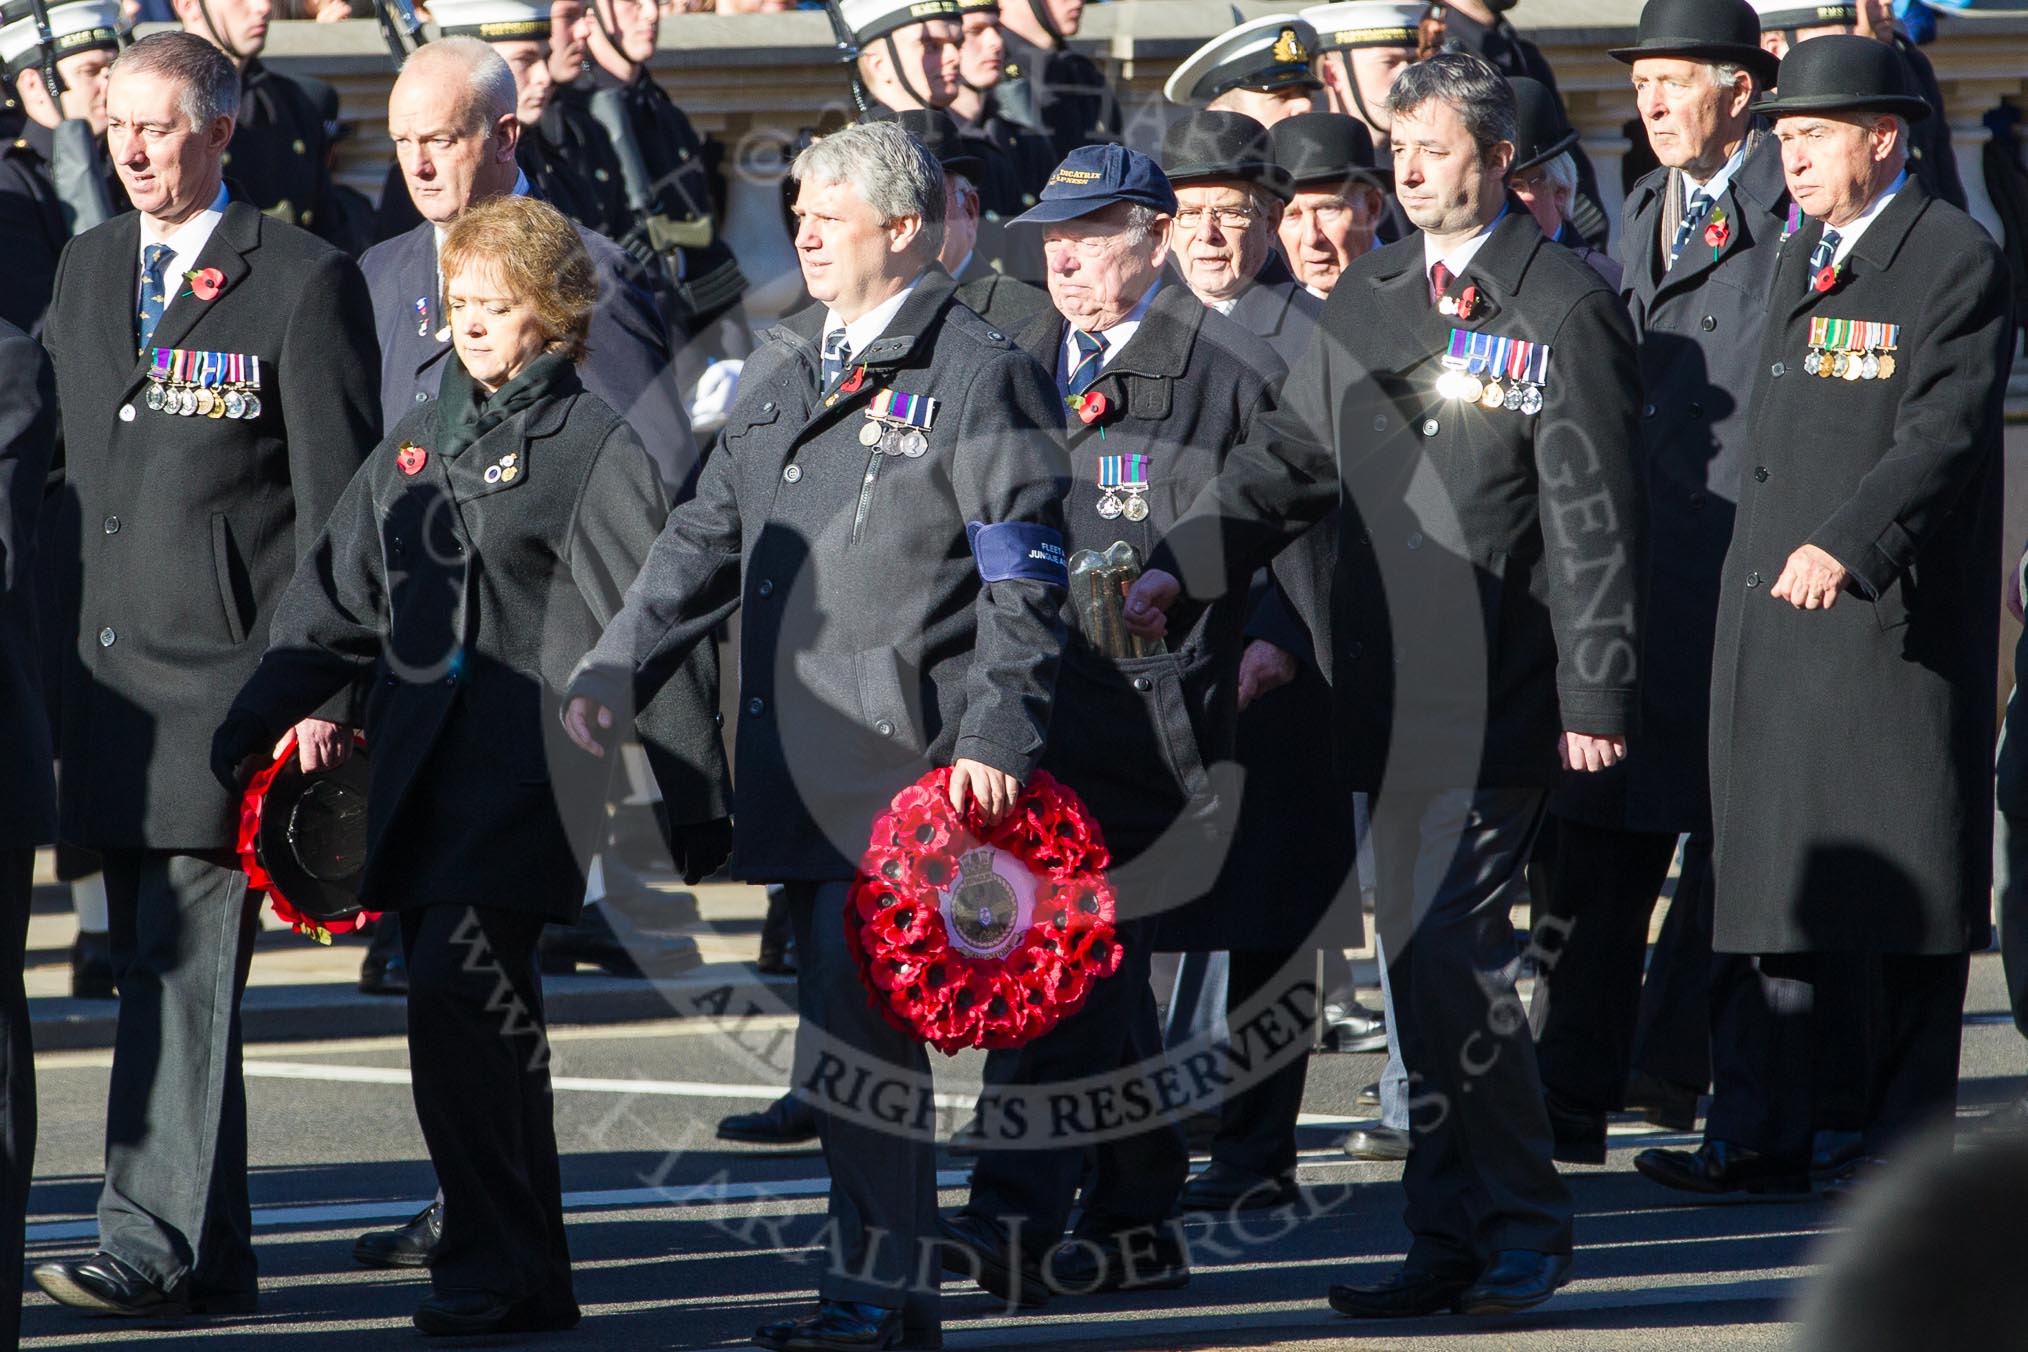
(466,413)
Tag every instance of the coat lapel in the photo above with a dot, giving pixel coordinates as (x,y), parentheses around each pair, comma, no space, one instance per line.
(882,358)
(1137,381)
(1742,193)
(1873,253)
(237,235)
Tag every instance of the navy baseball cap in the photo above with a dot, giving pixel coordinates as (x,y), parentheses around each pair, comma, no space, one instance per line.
(1092,178)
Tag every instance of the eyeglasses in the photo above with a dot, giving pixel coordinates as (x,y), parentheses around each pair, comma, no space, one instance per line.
(1226,218)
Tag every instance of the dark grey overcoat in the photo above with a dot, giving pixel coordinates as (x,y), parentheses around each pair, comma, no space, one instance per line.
(27,443)
(870,649)
(1852,748)
(464,605)
(1700,326)
(192,526)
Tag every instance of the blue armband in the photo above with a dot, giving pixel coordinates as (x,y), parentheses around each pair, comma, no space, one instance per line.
(1008,550)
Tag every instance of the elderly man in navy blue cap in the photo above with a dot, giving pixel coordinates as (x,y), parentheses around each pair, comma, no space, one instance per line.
(1159,386)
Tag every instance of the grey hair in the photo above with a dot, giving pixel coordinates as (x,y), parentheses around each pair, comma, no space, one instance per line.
(210,82)
(888,168)
(1468,83)
(1725,74)
(1562,173)
(1139,222)
(489,82)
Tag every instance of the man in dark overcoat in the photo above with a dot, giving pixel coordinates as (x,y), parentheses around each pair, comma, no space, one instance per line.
(1486,613)
(1007,302)
(1699,308)
(1857,642)
(195,522)
(875,644)
(27,793)
(1162,387)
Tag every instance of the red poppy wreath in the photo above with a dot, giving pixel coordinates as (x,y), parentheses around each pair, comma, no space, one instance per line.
(284,815)
(976,936)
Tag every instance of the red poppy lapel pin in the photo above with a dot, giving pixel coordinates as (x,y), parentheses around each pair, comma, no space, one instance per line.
(1717,231)
(205,283)
(411,458)
(1826,278)
(1089,408)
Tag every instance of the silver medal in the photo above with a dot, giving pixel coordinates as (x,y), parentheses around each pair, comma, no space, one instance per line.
(1109,507)
(1814,362)
(253,406)
(1135,508)
(1531,401)
(235,404)
(154,398)
(1870,368)
(869,435)
(913,443)
(1511,401)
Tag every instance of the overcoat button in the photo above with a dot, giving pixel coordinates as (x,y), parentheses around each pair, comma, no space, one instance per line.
(107,637)
(766,587)
(112,525)
(1429,427)
(451,679)
(126,413)
(1709,322)
(391,678)
(767,408)
(717,719)
(1365,539)
(1415,539)
(1355,650)
(1760,473)
(1753,579)
(1697,500)
(1380,423)
(1781,368)
(756,706)
(1647,410)
(420,397)
(1143,684)
(884,728)
(1696,409)
(792,474)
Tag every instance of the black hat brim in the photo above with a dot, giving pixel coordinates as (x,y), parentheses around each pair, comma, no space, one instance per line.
(1761,62)
(1906,106)
(1057,212)
(1382,179)
(327,892)
(1547,153)
(1270,176)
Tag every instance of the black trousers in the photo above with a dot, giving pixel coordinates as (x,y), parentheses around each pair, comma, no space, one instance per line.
(868,1080)
(17,1083)
(1592,1009)
(1768,1031)
(1257,1124)
(479,1065)
(1134,1178)
(174,1204)
(1450,866)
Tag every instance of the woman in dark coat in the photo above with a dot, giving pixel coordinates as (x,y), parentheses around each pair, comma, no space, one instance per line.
(471,563)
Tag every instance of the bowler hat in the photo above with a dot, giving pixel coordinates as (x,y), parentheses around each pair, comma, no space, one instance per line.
(1701,30)
(1312,148)
(1263,54)
(1842,73)
(1219,144)
(1092,178)
(311,840)
(939,134)
(1541,132)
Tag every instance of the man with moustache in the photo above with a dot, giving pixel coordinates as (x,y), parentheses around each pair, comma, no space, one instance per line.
(1699,308)
(262,336)
(1486,620)
(1046,86)
(1229,199)
(1852,699)
(1260,69)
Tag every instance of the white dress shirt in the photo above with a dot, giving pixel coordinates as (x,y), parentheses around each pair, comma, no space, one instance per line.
(1460,257)
(185,243)
(869,326)
(1848,235)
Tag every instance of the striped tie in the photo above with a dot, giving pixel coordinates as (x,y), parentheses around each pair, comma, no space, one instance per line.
(154,289)
(1693,216)
(1821,256)
(1090,348)
(835,353)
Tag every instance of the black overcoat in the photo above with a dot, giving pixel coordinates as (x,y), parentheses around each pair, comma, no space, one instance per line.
(32,229)
(1278,309)
(1005,302)
(27,443)
(1484,599)
(1138,737)
(193,525)
(464,604)
(628,365)
(1700,327)
(1852,748)
(870,650)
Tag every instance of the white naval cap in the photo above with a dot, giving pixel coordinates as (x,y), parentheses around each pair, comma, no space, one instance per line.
(870,19)
(1779,14)
(492,20)
(74,26)
(1365,23)
(1262,54)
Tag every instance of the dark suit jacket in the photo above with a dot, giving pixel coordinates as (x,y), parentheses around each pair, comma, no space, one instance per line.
(1278,309)
(193,524)
(27,441)
(629,365)
(1003,301)
(870,649)
(1485,597)
(467,603)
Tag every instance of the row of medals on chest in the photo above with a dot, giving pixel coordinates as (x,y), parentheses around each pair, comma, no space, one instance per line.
(1851,349)
(1494,372)
(193,384)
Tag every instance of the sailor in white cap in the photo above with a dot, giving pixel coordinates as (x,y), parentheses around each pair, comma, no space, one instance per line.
(906,50)
(1261,69)
(1361,46)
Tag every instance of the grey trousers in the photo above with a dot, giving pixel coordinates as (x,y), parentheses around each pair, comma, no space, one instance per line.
(2010,886)
(17,1082)
(174,1204)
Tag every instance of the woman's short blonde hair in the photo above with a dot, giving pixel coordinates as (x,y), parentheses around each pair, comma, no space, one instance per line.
(539,259)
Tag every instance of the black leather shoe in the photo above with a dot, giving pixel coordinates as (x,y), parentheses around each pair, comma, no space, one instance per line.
(1376,1143)
(91,966)
(1663,1103)
(1856,1179)
(841,1326)
(592,942)
(1579,1133)
(1144,1257)
(108,1285)
(1716,1168)
(482,1312)
(407,1247)
(1835,1154)
(1368,1095)
(1353,1027)
(1226,1187)
(384,975)
(786,1121)
(776,959)
(1515,1280)
(977,1248)
(1413,1290)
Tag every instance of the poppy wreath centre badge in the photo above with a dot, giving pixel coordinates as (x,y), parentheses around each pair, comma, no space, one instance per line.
(975,936)
(302,840)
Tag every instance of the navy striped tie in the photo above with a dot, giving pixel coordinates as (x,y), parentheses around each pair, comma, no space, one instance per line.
(1090,348)
(835,353)
(1693,216)
(1821,256)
